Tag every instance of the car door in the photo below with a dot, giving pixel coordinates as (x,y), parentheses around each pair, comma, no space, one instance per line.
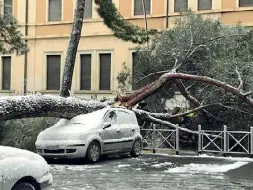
(127,129)
(111,135)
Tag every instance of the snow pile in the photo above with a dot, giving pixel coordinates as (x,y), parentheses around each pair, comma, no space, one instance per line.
(123,165)
(206,168)
(16,163)
(161,165)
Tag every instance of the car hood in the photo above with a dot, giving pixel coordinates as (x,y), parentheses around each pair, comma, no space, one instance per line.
(66,132)
(16,163)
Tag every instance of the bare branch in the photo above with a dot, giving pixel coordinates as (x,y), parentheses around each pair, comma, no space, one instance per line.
(239,78)
(248,93)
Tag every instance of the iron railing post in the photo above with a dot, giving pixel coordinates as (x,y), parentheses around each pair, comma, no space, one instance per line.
(199,139)
(154,129)
(225,140)
(177,140)
(251,140)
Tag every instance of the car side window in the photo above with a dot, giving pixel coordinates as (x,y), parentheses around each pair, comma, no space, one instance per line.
(111,117)
(124,117)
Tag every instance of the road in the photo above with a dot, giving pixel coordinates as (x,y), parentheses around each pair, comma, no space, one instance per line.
(155,173)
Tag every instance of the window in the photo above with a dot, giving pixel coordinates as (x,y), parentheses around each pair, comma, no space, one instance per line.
(180,5)
(54,10)
(245,3)
(6,73)
(105,71)
(204,5)
(85,83)
(124,117)
(111,117)
(138,7)
(53,72)
(134,72)
(88,9)
(7,7)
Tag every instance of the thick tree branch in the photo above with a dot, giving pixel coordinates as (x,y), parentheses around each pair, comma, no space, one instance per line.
(131,100)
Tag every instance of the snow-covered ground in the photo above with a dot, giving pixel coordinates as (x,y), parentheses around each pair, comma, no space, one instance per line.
(158,173)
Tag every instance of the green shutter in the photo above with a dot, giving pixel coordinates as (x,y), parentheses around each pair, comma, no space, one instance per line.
(53,72)
(105,72)
(85,82)
(6,73)
(55,10)
(204,5)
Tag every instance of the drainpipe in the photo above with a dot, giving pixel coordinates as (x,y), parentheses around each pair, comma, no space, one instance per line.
(145,18)
(167,14)
(26,54)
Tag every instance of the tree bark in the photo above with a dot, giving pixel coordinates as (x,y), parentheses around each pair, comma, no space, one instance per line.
(46,106)
(72,49)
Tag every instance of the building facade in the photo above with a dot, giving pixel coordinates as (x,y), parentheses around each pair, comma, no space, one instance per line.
(47,25)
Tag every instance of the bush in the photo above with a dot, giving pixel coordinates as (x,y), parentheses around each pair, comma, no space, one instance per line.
(22,133)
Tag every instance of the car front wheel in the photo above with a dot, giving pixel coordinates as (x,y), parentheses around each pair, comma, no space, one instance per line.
(94,151)
(24,186)
(136,149)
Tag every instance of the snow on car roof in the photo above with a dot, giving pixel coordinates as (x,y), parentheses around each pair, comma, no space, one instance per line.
(16,163)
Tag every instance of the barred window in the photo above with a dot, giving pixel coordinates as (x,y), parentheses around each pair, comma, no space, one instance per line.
(138,7)
(204,5)
(54,10)
(6,73)
(85,79)
(180,5)
(53,72)
(105,71)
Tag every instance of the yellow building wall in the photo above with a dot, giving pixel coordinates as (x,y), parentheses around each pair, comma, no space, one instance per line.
(53,37)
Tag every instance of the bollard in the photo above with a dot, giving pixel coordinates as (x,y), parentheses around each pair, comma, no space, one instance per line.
(225,140)
(199,139)
(251,140)
(177,140)
(154,149)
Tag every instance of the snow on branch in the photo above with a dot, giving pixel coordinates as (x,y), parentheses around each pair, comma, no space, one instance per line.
(46,106)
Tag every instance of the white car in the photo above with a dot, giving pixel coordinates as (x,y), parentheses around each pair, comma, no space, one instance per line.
(23,170)
(106,131)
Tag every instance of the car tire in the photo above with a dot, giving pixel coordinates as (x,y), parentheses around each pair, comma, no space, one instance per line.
(93,151)
(136,149)
(24,186)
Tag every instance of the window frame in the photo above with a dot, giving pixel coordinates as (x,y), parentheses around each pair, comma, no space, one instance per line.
(151,10)
(47,12)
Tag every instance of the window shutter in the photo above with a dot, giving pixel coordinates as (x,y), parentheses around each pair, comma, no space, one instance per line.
(6,73)
(105,72)
(138,7)
(134,73)
(204,5)
(53,72)
(55,10)
(8,7)
(245,3)
(180,5)
(85,72)
(88,9)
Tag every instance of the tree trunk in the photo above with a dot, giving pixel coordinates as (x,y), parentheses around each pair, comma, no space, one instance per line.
(46,106)
(72,49)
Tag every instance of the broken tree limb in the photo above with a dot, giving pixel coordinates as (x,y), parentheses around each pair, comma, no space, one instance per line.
(131,100)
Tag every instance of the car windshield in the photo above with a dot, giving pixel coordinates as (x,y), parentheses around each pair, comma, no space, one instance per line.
(90,118)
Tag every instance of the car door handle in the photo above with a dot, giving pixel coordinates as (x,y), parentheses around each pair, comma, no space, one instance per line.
(133,129)
(118,131)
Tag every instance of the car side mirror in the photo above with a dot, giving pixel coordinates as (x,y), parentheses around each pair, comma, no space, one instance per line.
(106,125)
